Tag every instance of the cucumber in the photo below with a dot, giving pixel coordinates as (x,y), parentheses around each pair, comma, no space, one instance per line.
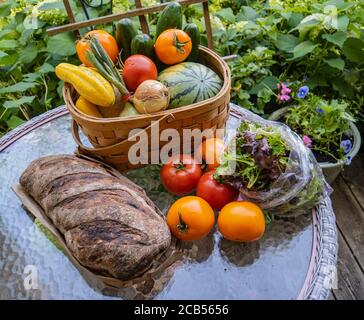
(171,17)
(125,32)
(192,30)
(143,44)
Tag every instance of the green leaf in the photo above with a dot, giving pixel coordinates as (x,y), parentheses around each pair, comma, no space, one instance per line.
(247,14)
(308,23)
(268,82)
(45,68)
(344,88)
(353,49)
(286,42)
(28,54)
(18,87)
(342,23)
(14,122)
(3,54)
(62,44)
(339,4)
(5,9)
(9,60)
(302,49)
(226,15)
(51,5)
(31,77)
(8,44)
(11,104)
(5,32)
(337,38)
(294,19)
(336,63)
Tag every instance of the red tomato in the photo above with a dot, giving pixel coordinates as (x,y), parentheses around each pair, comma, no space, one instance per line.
(137,69)
(180,174)
(215,193)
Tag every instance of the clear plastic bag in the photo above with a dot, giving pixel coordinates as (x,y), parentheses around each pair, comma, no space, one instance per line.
(299,187)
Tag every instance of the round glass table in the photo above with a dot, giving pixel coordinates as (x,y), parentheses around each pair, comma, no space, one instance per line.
(295,258)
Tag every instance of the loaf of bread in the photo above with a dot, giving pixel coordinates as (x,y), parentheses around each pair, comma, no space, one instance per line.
(109,224)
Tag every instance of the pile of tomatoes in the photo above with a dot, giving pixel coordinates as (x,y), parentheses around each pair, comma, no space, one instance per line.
(193,217)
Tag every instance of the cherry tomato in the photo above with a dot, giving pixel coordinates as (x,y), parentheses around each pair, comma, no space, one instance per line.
(190,218)
(211,151)
(173,46)
(137,69)
(215,193)
(107,41)
(180,174)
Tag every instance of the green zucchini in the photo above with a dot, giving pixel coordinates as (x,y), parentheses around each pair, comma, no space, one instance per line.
(171,17)
(143,44)
(192,30)
(125,32)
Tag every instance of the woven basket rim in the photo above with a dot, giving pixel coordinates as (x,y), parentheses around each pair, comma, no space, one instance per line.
(151,116)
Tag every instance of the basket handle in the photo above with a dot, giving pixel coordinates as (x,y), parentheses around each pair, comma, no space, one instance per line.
(117,147)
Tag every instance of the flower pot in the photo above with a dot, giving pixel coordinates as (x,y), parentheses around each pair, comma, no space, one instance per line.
(330,170)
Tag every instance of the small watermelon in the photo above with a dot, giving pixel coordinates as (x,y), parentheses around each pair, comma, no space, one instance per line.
(190,82)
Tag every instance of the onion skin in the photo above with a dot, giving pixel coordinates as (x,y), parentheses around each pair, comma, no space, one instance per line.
(151,96)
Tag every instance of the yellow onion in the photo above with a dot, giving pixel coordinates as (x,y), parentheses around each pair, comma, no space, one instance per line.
(151,96)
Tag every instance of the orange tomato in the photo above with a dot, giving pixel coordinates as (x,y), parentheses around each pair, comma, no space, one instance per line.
(241,221)
(107,41)
(173,46)
(210,151)
(190,218)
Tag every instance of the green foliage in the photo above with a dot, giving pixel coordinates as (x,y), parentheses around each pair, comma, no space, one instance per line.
(325,122)
(28,85)
(320,40)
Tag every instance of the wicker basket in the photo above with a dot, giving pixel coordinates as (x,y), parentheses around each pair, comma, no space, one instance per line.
(109,136)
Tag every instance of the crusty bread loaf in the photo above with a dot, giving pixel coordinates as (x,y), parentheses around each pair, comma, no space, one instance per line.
(109,223)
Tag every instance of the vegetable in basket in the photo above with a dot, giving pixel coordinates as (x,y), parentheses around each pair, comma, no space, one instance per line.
(173,46)
(192,30)
(106,40)
(170,18)
(137,69)
(143,44)
(88,83)
(151,96)
(272,167)
(189,83)
(124,34)
(99,58)
(87,107)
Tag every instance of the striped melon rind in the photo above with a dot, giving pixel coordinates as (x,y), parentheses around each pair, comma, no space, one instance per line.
(190,82)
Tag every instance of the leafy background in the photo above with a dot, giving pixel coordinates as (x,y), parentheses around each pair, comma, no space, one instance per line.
(320,43)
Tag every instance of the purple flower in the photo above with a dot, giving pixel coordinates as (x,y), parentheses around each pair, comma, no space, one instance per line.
(307,141)
(303,92)
(320,110)
(346,145)
(283,97)
(285,90)
(348,160)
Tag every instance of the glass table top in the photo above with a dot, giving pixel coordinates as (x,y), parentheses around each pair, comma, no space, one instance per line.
(214,268)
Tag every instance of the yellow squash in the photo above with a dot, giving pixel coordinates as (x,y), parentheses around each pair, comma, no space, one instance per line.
(87,107)
(88,83)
